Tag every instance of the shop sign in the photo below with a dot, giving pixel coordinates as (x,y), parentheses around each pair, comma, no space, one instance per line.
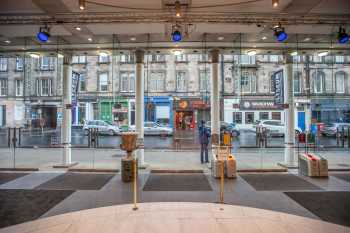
(258,105)
(75,86)
(278,86)
(183,104)
(199,104)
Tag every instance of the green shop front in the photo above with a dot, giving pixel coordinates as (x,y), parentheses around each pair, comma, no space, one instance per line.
(115,111)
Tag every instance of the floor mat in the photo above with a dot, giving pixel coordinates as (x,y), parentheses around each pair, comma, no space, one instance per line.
(329,206)
(342,176)
(10,176)
(18,206)
(77,181)
(275,182)
(177,182)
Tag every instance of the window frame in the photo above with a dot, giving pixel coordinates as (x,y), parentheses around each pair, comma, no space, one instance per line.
(105,83)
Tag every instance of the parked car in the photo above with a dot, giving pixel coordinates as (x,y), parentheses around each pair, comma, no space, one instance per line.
(153,128)
(275,127)
(224,126)
(330,130)
(102,126)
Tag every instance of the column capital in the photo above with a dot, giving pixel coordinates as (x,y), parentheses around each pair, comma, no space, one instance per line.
(139,56)
(214,55)
(287,58)
(67,59)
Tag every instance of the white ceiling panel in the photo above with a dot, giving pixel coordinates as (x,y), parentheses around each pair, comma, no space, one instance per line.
(226,28)
(332,7)
(30,30)
(310,29)
(18,6)
(127,28)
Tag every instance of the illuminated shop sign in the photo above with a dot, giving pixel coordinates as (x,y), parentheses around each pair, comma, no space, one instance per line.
(258,105)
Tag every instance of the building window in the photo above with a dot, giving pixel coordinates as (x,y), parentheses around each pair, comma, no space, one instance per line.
(103,58)
(274,58)
(249,117)
(319,78)
(3,64)
(297,82)
(19,64)
(181,81)
(157,58)
(127,80)
(103,82)
(237,117)
(126,58)
(79,59)
(203,58)
(44,63)
(339,59)
(247,83)
(247,60)
(340,82)
(82,82)
(204,80)
(43,87)
(3,87)
(276,116)
(19,87)
(157,81)
(181,58)
(264,115)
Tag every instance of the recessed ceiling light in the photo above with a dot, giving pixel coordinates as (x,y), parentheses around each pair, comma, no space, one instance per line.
(294,53)
(177,52)
(264,38)
(34,55)
(275,3)
(132,38)
(78,28)
(307,39)
(322,53)
(60,55)
(251,52)
(7,41)
(103,53)
(89,39)
(221,38)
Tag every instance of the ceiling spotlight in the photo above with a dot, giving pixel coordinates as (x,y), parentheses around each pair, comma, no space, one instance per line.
(275,3)
(251,52)
(177,52)
(177,9)
(221,38)
(34,55)
(176,36)
(43,34)
(78,28)
(90,39)
(7,41)
(264,38)
(103,53)
(82,5)
(60,55)
(322,53)
(294,53)
(343,37)
(132,38)
(307,39)
(280,34)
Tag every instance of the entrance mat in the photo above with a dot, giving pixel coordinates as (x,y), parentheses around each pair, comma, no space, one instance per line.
(275,182)
(329,206)
(10,176)
(342,176)
(77,181)
(177,182)
(18,206)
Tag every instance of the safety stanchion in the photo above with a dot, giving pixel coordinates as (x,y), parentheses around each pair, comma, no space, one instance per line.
(222,181)
(135,183)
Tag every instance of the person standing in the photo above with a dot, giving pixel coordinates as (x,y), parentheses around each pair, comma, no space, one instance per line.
(204,135)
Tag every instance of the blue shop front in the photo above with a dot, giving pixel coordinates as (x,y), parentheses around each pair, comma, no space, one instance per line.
(330,110)
(159,109)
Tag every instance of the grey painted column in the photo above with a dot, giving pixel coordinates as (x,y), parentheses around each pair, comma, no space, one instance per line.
(139,103)
(215,98)
(289,112)
(67,111)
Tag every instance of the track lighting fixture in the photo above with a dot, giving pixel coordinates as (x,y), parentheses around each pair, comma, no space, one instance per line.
(280,33)
(43,34)
(343,37)
(176,35)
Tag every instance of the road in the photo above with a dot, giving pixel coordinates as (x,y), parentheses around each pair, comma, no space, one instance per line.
(184,140)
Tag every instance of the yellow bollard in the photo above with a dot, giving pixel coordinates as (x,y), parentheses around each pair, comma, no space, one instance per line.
(135,184)
(222,182)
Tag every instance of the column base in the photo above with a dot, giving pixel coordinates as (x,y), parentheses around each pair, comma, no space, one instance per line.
(69,165)
(289,156)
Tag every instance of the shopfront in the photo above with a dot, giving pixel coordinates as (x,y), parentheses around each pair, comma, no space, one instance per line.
(159,109)
(330,110)
(189,112)
(114,111)
(246,112)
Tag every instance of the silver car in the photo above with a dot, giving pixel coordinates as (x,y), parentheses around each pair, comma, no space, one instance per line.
(153,128)
(102,126)
(331,129)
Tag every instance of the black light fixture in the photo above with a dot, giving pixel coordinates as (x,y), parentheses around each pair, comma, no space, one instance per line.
(43,34)
(82,5)
(343,37)
(280,33)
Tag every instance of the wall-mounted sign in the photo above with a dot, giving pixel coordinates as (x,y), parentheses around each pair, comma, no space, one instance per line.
(277,79)
(258,105)
(183,104)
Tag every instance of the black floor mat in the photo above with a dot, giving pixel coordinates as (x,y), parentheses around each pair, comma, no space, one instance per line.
(18,206)
(332,207)
(177,182)
(9,176)
(342,176)
(77,181)
(275,182)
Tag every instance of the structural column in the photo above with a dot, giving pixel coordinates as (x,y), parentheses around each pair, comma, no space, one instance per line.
(215,98)
(67,111)
(289,112)
(139,104)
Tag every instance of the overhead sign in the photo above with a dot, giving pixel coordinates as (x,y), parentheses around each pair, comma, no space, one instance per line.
(75,87)
(278,85)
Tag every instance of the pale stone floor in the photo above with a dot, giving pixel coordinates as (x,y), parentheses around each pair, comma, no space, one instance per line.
(170,216)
